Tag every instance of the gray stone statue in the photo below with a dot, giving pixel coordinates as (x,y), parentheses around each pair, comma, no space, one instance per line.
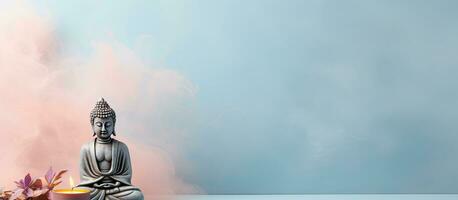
(105,166)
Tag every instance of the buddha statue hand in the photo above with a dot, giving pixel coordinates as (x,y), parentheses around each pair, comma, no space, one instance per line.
(107,185)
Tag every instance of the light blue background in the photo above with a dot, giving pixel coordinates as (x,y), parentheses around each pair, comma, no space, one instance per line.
(301,96)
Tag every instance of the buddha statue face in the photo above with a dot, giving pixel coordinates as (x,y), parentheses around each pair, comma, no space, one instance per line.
(103,119)
(103,127)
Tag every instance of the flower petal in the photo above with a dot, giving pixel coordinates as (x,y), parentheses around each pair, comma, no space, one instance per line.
(27,180)
(37,193)
(29,192)
(17,194)
(49,175)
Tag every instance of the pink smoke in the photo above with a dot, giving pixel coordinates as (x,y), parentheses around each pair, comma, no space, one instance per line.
(46,99)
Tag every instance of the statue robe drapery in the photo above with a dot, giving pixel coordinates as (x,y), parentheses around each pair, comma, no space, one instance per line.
(120,172)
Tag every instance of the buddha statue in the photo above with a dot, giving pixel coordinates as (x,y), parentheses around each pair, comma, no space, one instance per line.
(105,167)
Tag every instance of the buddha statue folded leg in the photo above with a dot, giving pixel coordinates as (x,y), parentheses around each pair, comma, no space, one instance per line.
(125,193)
(119,193)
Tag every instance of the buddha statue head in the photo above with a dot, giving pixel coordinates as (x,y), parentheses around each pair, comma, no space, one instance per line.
(103,119)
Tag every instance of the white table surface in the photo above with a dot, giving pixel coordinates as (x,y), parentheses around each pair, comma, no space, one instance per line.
(313,197)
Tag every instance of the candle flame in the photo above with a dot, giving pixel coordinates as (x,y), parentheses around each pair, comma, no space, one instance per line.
(72,184)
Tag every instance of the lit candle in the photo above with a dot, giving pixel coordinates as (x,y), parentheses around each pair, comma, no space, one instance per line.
(70,194)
